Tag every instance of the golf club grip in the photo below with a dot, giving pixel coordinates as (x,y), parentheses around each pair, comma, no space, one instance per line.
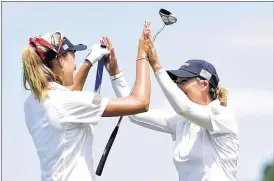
(99,75)
(103,159)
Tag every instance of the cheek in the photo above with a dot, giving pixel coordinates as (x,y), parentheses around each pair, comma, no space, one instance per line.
(196,89)
(70,66)
(190,88)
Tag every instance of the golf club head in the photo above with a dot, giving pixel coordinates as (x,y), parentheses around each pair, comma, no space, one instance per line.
(167,17)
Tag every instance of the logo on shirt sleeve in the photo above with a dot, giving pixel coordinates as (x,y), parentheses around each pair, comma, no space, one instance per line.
(97,100)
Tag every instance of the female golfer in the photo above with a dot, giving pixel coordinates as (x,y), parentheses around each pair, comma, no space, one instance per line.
(61,121)
(205,130)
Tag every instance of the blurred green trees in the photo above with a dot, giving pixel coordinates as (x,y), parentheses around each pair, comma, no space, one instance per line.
(268,174)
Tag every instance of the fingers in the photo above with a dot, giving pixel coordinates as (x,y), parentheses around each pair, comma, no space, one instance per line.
(106,41)
(147,33)
(150,39)
(146,29)
(146,26)
(109,45)
(102,42)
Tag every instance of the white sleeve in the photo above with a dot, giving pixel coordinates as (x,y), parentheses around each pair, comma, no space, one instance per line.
(156,120)
(214,117)
(153,119)
(196,113)
(79,106)
(223,120)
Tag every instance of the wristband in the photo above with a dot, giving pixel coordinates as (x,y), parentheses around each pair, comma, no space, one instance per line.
(113,77)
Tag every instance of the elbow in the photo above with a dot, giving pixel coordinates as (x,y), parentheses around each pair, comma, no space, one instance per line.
(146,107)
(143,105)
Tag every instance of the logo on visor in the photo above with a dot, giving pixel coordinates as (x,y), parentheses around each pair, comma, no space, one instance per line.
(65,47)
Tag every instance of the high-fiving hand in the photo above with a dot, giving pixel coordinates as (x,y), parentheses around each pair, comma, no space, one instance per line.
(111,61)
(150,49)
(143,45)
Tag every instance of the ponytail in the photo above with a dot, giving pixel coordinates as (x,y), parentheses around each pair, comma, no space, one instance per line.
(36,73)
(222,95)
(219,93)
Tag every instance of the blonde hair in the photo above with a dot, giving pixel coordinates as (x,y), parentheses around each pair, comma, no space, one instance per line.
(222,95)
(37,72)
(219,93)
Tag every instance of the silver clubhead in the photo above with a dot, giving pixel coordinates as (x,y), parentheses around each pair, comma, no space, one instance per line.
(167,17)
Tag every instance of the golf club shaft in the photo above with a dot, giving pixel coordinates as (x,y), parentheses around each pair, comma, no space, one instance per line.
(159,31)
(103,159)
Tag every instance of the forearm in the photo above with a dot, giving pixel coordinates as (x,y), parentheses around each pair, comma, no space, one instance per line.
(120,86)
(81,76)
(153,119)
(138,101)
(156,66)
(141,88)
(181,104)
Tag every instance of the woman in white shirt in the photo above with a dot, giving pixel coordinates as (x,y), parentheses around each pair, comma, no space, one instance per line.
(59,116)
(204,129)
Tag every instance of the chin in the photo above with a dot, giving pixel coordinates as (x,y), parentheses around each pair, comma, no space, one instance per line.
(69,83)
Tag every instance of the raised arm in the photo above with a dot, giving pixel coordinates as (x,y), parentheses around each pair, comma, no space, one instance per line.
(96,52)
(138,101)
(81,76)
(196,113)
(153,119)
(87,107)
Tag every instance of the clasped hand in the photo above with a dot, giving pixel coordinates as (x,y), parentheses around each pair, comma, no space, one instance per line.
(146,45)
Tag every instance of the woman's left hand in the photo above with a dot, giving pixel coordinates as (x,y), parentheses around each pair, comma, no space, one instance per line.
(152,54)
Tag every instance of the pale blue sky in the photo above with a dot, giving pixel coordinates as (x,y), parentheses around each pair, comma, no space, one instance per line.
(236,37)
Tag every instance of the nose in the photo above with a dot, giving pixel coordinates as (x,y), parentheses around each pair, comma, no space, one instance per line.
(74,66)
(181,86)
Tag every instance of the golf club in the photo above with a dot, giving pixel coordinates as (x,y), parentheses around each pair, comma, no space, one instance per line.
(168,19)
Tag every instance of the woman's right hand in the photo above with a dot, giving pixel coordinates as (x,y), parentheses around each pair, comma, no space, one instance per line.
(143,45)
(96,52)
(111,62)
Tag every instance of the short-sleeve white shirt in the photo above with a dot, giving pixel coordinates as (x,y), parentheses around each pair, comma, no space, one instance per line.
(203,155)
(61,127)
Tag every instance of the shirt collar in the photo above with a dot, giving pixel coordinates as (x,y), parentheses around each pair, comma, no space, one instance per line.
(56,86)
(215,102)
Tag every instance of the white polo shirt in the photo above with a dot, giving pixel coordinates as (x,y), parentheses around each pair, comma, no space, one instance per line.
(62,130)
(203,155)
(206,137)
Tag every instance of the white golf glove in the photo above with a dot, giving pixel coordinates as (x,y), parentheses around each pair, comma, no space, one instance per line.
(96,52)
